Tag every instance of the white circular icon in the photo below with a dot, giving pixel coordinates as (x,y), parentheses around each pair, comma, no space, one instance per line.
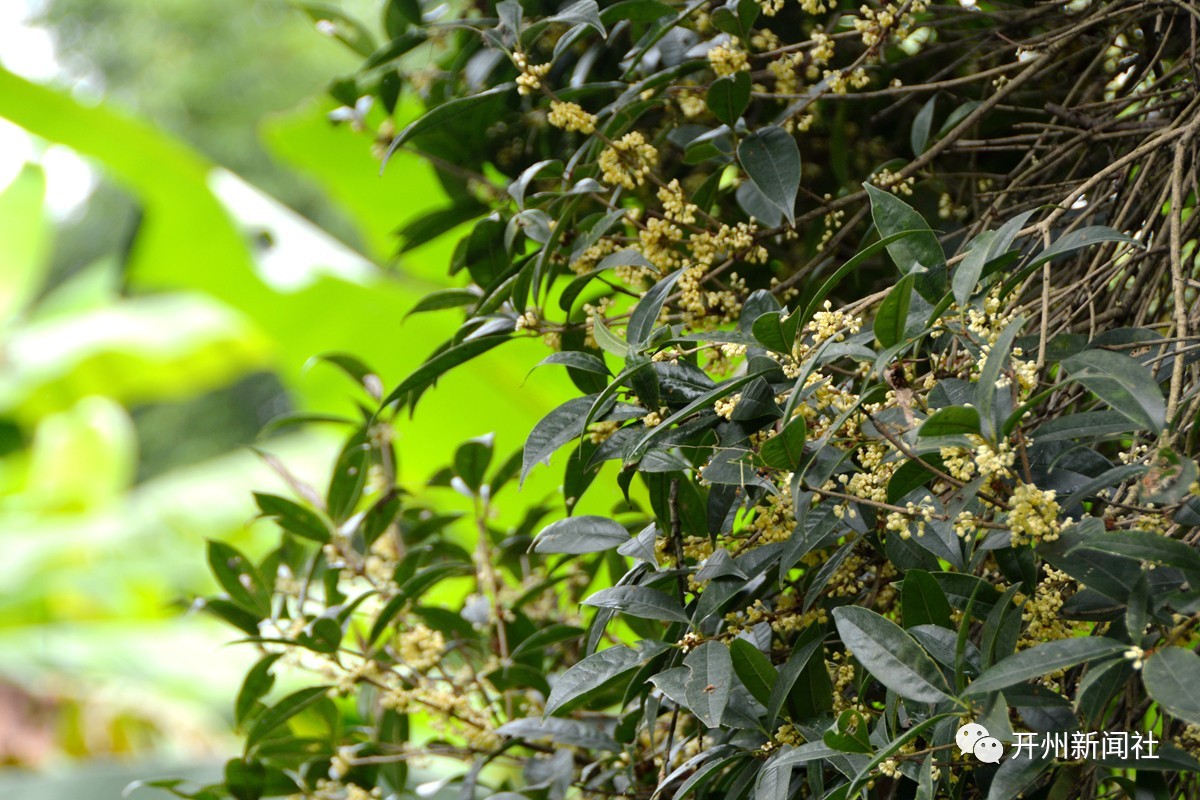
(989,750)
(968,735)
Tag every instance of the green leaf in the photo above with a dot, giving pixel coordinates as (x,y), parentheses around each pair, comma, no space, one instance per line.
(441,362)
(586,678)
(471,460)
(892,319)
(635,11)
(239,578)
(736,17)
(609,342)
(890,654)
(768,330)
(922,601)
(784,449)
(446,298)
(911,253)
(704,401)
(553,431)
(576,359)
(985,389)
(709,681)
(577,535)
(257,684)
(809,643)
(754,669)
(645,314)
(349,478)
(1143,546)
(570,732)
(1079,239)
(1041,660)
(771,158)
(951,421)
(245,780)
(443,114)
(1122,382)
(639,601)
(850,266)
(293,517)
(1171,676)
(728,97)
(922,124)
(281,712)
(966,275)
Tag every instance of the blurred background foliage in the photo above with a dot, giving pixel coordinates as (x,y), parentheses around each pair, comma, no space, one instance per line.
(182,228)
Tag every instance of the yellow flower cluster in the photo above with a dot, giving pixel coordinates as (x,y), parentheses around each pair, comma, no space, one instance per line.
(708,247)
(775,519)
(600,432)
(994,462)
(531,75)
(1041,612)
(901,521)
(893,182)
(448,711)
(726,60)
(571,117)
(842,675)
(957,463)
(725,406)
(675,206)
(628,160)
(704,309)
(658,240)
(420,648)
(1034,515)
(829,325)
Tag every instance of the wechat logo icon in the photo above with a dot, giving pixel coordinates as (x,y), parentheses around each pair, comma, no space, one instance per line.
(973,738)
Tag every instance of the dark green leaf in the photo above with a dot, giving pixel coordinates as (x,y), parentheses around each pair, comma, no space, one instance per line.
(587,677)
(576,535)
(1172,676)
(443,114)
(1041,660)
(471,460)
(985,389)
(446,298)
(645,314)
(891,655)
(892,319)
(440,363)
(771,158)
(1078,239)
(966,275)
(635,11)
(922,601)
(239,578)
(709,681)
(922,124)
(1123,383)
(554,430)
(281,712)
(784,449)
(639,601)
(951,421)
(754,669)
(728,97)
(570,732)
(257,684)
(293,517)
(911,253)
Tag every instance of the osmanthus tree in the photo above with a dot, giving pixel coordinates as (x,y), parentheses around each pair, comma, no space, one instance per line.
(877,477)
